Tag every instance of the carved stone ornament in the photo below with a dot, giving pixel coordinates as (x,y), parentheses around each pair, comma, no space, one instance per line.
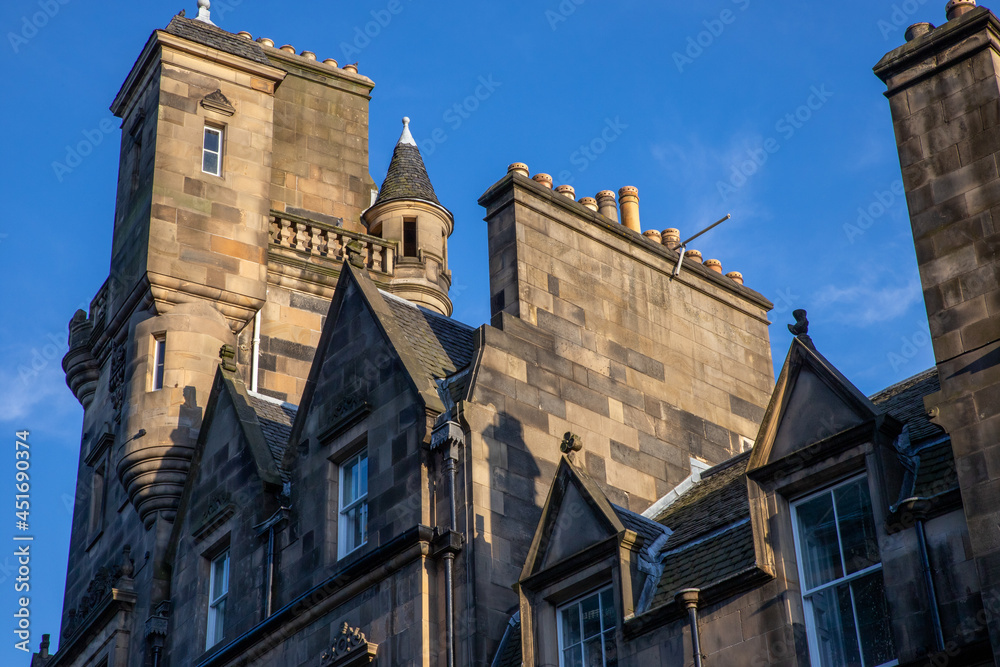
(219,103)
(349,648)
(116,379)
(571,443)
(801,328)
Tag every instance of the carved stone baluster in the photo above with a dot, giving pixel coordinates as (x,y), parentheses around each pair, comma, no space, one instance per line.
(317,242)
(335,246)
(301,236)
(285,239)
(377,257)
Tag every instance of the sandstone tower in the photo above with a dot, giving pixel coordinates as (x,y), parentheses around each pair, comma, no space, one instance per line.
(944,94)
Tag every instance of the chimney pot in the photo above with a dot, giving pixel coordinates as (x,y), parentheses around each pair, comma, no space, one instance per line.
(693,256)
(956,8)
(653,236)
(918,30)
(544,180)
(331,62)
(352,68)
(567,191)
(518,168)
(264,41)
(736,277)
(629,201)
(713,265)
(590,203)
(671,238)
(245,35)
(308,55)
(288,48)
(606,205)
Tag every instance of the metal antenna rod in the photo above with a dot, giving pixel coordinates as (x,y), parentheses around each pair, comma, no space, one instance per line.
(683,246)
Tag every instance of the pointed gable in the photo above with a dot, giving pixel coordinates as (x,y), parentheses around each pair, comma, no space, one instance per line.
(576,516)
(812,401)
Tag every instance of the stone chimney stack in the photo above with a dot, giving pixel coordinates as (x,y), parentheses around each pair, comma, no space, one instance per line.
(944,95)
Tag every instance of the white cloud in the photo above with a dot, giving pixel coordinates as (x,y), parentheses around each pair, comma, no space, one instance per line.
(867,303)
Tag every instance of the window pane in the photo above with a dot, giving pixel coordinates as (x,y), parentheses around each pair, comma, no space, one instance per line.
(873,619)
(571,626)
(572,658)
(608,616)
(857,527)
(210,163)
(363,476)
(591,617)
(818,536)
(836,634)
(349,485)
(219,583)
(593,656)
(212,140)
(220,618)
(610,649)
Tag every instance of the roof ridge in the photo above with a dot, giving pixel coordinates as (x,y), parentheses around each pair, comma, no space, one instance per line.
(912,380)
(426,311)
(725,465)
(271,399)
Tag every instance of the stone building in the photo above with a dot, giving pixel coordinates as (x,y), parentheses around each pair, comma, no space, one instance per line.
(292,455)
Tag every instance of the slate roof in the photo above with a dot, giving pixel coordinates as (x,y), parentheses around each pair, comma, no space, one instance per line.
(647,529)
(276,423)
(935,471)
(509,651)
(442,345)
(216,38)
(905,402)
(718,500)
(407,177)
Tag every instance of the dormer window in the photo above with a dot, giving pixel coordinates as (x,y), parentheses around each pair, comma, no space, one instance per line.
(840,568)
(587,631)
(211,154)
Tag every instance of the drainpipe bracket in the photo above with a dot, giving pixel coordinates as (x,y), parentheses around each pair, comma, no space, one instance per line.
(447,542)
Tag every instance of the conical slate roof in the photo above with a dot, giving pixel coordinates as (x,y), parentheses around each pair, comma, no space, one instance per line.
(407,177)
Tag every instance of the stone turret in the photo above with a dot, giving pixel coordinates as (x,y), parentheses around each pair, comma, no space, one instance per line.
(408,212)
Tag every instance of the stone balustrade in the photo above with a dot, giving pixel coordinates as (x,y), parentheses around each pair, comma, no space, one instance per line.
(329,242)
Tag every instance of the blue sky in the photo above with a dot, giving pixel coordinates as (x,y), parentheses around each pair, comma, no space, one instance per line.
(767,111)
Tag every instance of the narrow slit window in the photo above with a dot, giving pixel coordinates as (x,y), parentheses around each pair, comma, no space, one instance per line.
(159,353)
(218,593)
(409,237)
(211,156)
(353,504)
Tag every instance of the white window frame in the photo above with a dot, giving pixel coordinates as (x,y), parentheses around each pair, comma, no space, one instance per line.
(359,500)
(211,129)
(811,633)
(577,602)
(159,360)
(214,603)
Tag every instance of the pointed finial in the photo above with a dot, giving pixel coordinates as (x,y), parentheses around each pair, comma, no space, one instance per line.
(406,137)
(204,15)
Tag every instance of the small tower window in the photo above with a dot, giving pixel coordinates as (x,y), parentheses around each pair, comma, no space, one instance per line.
(409,237)
(211,156)
(159,354)
(218,592)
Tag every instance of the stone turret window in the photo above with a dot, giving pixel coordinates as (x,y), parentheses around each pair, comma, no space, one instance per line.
(218,593)
(353,532)
(840,568)
(211,155)
(159,357)
(587,631)
(409,237)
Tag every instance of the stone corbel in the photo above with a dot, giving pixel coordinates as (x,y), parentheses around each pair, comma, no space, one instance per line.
(350,648)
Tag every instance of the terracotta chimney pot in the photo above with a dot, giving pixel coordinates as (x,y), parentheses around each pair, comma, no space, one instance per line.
(918,30)
(956,8)
(518,168)
(288,48)
(713,265)
(629,201)
(567,191)
(331,62)
(590,203)
(693,256)
(308,55)
(606,205)
(245,35)
(736,276)
(352,68)
(653,236)
(671,238)
(264,41)
(544,180)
